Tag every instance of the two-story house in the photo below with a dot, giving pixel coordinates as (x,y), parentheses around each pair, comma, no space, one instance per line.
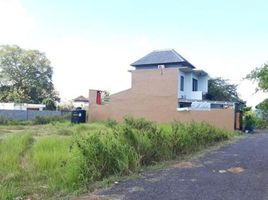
(165,87)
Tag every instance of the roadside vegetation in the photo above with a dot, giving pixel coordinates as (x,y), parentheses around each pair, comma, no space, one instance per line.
(60,159)
(252,121)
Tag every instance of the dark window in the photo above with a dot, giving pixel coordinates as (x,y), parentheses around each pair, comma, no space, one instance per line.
(182,83)
(185,104)
(195,84)
(216,106)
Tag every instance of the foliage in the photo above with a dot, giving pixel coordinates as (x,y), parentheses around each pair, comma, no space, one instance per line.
(53,160)
(8,121)
(57,162)
(105,155)
(25,76)
(51,119)
(50,104)
(67,106)
(249,119)
(261,123)
(263,107)
(38,120)
(261,76)
(111,123)
(221,90)
(11,151)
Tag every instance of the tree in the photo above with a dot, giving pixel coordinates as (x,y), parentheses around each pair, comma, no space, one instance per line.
(220,90)
(261,76)
(25,76)
(263,107)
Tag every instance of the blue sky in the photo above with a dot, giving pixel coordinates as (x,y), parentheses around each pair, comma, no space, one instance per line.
(95,41)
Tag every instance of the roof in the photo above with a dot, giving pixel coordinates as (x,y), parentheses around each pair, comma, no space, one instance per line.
(80,99)
(198,72)
(162,57)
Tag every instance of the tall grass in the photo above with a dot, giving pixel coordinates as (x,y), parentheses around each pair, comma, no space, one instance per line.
(56,163)
(12,149)
(125,147)
(103,155)
(71,157)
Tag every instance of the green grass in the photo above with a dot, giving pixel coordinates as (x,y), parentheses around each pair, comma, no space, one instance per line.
(12,150)
(53,160)
(60,159)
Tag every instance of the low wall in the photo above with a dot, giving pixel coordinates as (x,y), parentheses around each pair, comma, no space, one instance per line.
(221,118)
(27,114)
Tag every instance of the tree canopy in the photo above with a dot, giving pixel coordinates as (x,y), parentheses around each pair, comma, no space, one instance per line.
(220,90)
(261,76)
(25,76)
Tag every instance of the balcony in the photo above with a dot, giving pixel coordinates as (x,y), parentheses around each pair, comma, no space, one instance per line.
(192,95)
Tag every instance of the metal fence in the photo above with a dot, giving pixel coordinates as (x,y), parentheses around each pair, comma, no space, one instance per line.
(27,114)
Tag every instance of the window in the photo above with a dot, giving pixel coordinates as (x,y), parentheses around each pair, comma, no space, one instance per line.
(182,83)
(185,104)
(195,84)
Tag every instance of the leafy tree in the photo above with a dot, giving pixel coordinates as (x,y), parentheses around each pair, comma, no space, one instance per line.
(67,106)
(261,76)
(220,90)
(25,76)
(263,106)
(50,104)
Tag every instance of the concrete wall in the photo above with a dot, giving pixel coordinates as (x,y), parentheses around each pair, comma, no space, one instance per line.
(26,115)
(154,96)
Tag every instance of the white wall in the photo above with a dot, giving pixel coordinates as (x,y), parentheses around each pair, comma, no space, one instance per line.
(20,106)
(188,93)
(12,106)
(203,83)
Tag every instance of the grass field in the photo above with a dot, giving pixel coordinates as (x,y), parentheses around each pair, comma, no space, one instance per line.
(60,160)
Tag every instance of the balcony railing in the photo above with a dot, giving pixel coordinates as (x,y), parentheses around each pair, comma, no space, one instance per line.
(193,95)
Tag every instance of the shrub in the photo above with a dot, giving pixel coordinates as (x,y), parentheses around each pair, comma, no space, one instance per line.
(249,121)
(261,123)
(51,119)
(9,121)
(103,155)
(111,123)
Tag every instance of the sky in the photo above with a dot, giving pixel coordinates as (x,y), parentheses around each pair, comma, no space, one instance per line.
(92,43)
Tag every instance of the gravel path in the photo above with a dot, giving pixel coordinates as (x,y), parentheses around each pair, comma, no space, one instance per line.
(234,172)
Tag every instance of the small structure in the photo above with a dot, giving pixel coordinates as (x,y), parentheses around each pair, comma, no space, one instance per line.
(78,116)
(81,102)
(165,88)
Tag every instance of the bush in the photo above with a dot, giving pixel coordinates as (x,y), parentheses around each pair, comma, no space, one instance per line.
(51,119)
(261,123)
(249,121)
(111,123)
(8,121)
(103,155)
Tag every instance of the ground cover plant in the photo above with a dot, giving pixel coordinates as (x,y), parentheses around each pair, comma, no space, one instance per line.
(59,159)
